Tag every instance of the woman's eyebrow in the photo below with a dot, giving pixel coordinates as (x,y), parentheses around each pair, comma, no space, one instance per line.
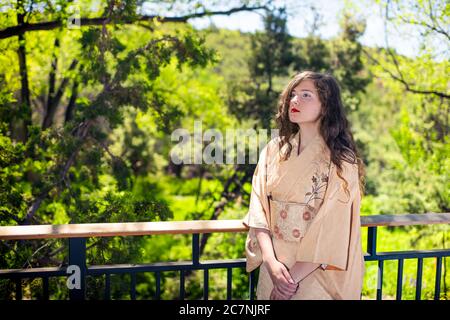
(303,90)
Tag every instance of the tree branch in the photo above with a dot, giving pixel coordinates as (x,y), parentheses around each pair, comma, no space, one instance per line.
(50,25)
(405,83)
(433,23)
(425,24)
(400,76)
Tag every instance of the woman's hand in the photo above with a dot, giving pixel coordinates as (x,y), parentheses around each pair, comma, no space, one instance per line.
(284,285)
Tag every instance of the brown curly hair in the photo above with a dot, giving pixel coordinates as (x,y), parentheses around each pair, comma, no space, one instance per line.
(334,126)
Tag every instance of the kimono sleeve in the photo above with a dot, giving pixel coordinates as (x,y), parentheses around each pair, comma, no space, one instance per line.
(258,215)
(328,239)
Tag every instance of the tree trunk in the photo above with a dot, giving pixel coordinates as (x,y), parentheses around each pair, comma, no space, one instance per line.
(48,114)
(71,104)
(20,131)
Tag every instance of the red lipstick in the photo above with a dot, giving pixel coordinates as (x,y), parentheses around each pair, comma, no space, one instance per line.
(295,110)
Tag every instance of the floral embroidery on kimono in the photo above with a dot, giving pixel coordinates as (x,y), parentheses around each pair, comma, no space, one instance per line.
(292,219)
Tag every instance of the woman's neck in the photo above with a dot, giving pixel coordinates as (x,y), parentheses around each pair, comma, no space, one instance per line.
(308,131)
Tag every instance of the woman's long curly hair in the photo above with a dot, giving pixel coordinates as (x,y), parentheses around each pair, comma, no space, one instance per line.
(334,126)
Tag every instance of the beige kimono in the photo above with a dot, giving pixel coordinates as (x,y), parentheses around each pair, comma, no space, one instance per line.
(316,220)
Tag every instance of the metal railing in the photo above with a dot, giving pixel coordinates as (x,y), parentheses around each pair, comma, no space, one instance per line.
(78,233)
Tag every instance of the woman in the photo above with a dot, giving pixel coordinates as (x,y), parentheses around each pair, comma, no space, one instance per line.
(306,190)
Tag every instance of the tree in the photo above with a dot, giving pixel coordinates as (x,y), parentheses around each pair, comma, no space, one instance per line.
(271,56)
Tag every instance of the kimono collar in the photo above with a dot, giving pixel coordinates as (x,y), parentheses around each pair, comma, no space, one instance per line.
(317,143)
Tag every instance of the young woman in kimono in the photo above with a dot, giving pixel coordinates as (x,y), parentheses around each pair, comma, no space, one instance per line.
(304,207)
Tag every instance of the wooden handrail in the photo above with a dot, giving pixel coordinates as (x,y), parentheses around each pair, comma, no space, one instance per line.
(186,227)
(399,220)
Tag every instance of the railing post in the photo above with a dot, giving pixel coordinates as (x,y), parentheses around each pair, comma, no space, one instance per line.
(19,289)
(400,279)
(76,280)
(372,240)
(380,280)
(419,278)
(205,284)
(195,249)
(252,285)
(437,284)
(229,283)
(181,284)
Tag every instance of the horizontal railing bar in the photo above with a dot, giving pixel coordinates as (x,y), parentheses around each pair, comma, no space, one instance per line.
(163,267)
(412,254)
(185,227)
(187,265)
(33,272)
(125,268)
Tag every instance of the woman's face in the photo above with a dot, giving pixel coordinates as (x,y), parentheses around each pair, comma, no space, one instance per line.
(304,105)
